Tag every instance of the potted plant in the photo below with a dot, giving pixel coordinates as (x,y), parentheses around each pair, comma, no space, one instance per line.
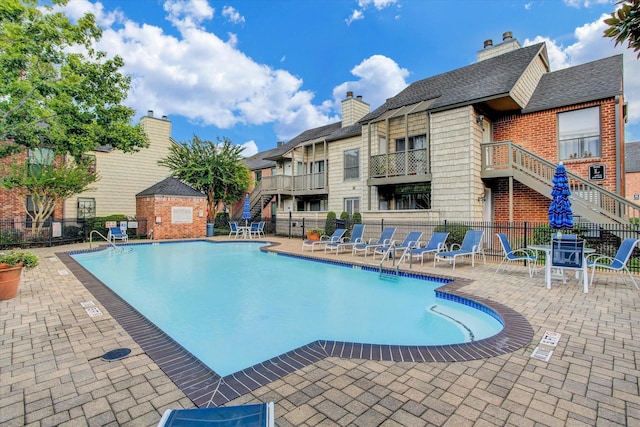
(314,234)
(11,265)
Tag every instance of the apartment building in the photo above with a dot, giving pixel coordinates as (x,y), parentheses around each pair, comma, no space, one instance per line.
(477,143)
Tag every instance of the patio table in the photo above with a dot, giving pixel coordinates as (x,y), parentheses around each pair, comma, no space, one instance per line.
(547,264)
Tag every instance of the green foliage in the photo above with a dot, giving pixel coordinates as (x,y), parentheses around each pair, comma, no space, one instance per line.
(11,258)
(624,24)
(456,232)
(98,223)
(48,187)
(56,90)
(330,223)
(216,169)
(357,218)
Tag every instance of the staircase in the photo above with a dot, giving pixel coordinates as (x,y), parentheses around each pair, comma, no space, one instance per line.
(588,200)
(258,200)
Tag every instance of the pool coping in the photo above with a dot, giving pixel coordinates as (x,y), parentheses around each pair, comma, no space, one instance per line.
(206,388)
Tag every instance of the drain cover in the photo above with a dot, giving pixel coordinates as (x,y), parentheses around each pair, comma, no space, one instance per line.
(116,354)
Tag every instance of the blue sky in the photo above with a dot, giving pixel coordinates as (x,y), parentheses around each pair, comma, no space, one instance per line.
(259,71)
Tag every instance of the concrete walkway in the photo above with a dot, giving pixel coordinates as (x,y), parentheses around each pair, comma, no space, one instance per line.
(51,371)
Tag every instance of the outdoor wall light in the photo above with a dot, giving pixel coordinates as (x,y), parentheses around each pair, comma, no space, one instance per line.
(480,119)
(482,198)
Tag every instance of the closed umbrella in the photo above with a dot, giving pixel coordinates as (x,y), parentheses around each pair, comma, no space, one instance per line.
(560,214)
(246,212)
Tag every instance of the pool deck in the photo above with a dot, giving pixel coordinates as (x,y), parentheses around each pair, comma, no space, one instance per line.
(51,371)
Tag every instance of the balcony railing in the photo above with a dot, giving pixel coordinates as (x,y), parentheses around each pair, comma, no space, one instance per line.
(297,184)
(412,162)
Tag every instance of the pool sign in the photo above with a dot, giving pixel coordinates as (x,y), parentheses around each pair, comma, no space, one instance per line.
(597,172)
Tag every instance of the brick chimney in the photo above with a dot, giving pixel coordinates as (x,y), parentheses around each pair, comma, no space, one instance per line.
(353,109)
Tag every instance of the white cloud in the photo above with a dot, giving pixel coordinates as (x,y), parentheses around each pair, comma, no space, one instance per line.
(249,148)
(584,3)
(358,14)
(232,15)
(379,78)
(590,45)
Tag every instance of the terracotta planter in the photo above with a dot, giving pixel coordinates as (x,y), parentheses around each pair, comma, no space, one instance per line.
(313,236)
(9,280)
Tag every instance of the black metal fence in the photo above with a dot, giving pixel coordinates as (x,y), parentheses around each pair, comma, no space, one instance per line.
(603,238)
(25,234)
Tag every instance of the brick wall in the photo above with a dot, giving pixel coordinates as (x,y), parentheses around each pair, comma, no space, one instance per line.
(152,207)
(632,186)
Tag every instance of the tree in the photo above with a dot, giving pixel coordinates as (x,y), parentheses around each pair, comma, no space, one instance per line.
(624,24)
(49,186)
(58,92)
(215,169)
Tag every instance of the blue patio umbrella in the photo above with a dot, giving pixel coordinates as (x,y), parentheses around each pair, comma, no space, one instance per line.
(246,211)
(560,214)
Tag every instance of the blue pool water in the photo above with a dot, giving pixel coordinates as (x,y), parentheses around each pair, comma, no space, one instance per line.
(233,306)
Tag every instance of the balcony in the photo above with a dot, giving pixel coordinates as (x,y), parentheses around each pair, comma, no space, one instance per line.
(401,167)
(313,183)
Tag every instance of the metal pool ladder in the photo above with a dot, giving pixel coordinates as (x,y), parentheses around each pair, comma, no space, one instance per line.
(390,274)
(109,242)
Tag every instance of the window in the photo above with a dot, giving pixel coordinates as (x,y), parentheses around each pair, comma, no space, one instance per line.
(86,208)
(39,157)
(352,205)
(258,176)
(579,134)
(352,164)
(415,143)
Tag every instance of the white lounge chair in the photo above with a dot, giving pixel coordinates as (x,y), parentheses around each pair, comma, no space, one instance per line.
(356,238)
(471,245)
(411,241)
(528,256)
(437,243)
(385,239)
(336,237)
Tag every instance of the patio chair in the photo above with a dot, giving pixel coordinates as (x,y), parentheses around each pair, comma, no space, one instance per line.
(254,230)
(356,237)
(261,232)
(385,239)
(258,415)
(568,254)
(618,263)
(411,241)
(115,233)
(437,243)
(471,245)
(234,229)
(528,256)
(336,237)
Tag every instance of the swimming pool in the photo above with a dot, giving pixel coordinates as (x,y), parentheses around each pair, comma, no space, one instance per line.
(233,306)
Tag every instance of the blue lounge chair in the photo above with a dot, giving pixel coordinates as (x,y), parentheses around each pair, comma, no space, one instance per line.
(336,237)
(437,243)
(617,263)
(385,239)
(528,256)
(356,237)
(471,245)
(411,241)
(255,415)
(115,233)
(234,229)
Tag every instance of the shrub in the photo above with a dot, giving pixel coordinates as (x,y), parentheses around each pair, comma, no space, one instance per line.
(456,232)
(330,224)
(357,218)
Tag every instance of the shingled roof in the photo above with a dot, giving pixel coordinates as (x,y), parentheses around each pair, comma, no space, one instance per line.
(170,187)
(587,82)
(632,156)
(307,135)
(259,160)
(482,80)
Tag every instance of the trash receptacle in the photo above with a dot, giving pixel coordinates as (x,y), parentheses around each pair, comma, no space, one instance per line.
(209,229)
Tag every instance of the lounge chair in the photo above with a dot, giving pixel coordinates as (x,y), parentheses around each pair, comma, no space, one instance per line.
(234,229)
(411,241)
(257,415)
(356,237)
(437,243)
(385,239)
(471,245)
(521,254)
(336,237)
(115,233)
(617,263)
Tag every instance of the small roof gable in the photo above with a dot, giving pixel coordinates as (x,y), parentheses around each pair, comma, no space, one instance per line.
(593,80)
(484,79)
(170,187)
(632,156)
(307,135)
(258,161)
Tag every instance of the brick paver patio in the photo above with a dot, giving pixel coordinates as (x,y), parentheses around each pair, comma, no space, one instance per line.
(52,373)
